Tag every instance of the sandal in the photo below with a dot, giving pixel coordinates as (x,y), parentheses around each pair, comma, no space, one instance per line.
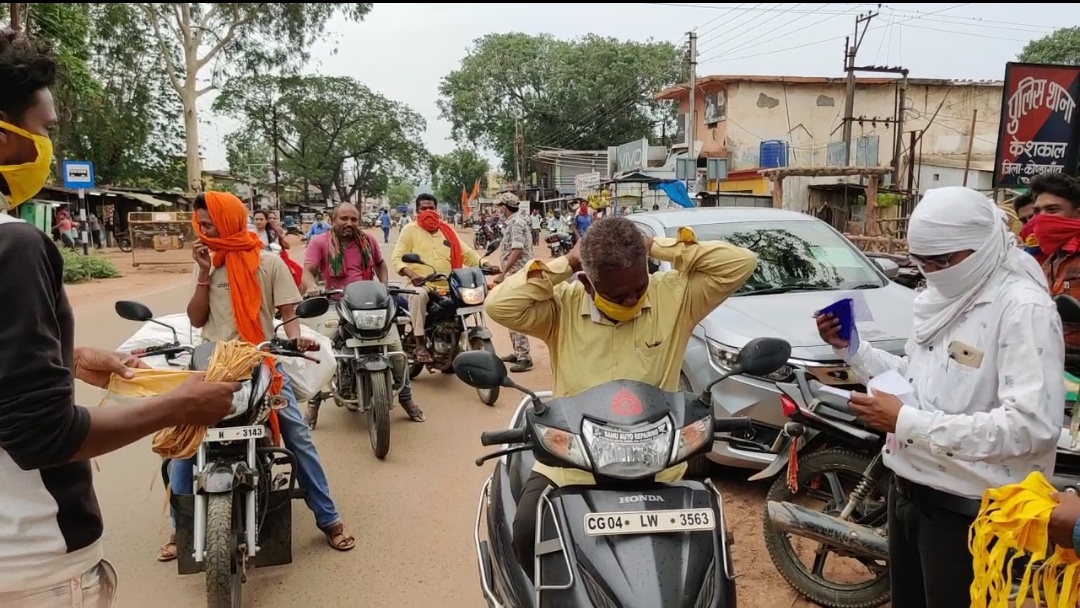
(415,413)
(339,538)
(168,552)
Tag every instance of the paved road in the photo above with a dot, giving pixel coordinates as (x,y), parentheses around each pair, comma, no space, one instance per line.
(412,514)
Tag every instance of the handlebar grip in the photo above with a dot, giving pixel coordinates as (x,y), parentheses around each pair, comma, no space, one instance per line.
(489,438)
(732,425)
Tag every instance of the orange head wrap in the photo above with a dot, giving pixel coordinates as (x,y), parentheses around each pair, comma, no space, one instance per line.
(238,250)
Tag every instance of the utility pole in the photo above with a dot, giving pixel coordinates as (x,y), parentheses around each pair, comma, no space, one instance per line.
(13,8)
(519,149)
(692,114)
(971,142)
(851,49)
(277,161)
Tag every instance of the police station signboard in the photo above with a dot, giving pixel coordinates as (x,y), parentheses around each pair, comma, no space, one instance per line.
(1039,123)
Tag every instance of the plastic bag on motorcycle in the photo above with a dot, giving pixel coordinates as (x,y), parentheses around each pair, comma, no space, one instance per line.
(310,377)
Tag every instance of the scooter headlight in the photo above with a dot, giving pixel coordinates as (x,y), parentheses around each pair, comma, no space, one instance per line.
(566,446)
(472,295)
(631,452)
(369,319)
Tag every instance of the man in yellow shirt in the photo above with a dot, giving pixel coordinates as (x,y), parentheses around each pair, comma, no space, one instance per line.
(616,322)
(438,245)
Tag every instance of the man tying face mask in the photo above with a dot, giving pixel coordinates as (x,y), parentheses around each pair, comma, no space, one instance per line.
(616,322)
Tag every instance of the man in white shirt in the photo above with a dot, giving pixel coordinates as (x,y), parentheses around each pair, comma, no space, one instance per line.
(985,359)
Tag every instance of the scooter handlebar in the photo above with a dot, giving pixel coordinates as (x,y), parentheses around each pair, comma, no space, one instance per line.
(732,425)
(489,438)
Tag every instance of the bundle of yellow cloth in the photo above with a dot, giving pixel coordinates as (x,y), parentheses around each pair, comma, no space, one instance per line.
(1014,522)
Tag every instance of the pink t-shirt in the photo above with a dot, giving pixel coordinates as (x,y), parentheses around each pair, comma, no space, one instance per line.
(318,255)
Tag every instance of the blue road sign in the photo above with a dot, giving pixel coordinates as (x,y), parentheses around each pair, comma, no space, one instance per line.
(77,174)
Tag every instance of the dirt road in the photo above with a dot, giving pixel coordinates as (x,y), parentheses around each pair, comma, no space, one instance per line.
(412,514)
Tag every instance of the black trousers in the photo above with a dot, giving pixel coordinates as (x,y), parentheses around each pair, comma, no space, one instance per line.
(929,562)
(525,520)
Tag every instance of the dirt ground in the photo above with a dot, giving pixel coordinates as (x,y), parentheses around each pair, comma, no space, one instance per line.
(759,584)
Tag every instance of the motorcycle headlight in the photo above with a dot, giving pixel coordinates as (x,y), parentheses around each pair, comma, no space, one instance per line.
(566,446)
(725,358)
(472,295)
(630,452)
(369,319)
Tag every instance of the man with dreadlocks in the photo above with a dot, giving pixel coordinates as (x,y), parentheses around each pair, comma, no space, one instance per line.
(343,255)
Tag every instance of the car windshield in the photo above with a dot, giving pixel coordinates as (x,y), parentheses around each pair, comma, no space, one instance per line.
(794,256)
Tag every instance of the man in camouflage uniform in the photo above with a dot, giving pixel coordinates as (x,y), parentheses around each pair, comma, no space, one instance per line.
(516,252)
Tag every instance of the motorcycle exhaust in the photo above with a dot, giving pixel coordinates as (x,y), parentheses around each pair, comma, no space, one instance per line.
(827,529)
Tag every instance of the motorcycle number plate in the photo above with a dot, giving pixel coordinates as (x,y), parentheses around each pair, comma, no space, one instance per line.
(649,522)
(236,433)
(469,310)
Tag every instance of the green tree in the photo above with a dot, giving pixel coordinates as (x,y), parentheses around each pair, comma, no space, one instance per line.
(584,94)
(1061,47)
(331,132)
(401,192)
(450,173)
(228,40)
(111,95)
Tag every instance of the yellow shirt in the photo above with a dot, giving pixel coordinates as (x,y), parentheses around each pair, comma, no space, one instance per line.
(588,349)
(432,248)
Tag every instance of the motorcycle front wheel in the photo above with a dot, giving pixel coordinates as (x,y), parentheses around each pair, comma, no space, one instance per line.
(487,395)
(224,571)
(378,412)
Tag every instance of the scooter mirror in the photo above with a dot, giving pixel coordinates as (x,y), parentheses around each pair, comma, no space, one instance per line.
(480,369)
(763,356)
(311,308)
(492,246)
(412,258)
(133,311)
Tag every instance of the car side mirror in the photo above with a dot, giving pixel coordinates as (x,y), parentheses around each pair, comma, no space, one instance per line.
(311,308)
(412,258)
(763,356)
(481,369)
(133,311)
(889,268)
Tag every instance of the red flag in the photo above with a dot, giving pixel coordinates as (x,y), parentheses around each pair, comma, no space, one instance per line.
(475,190)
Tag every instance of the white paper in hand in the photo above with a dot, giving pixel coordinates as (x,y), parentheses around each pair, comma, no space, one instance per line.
(894,383)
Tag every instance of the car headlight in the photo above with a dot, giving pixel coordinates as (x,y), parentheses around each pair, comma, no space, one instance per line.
(369,319)
(472,295)
(629,452)
(725,357)
(566,446)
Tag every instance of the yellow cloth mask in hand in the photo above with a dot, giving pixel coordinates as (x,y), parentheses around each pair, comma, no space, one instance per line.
(1016,517)
(27,179)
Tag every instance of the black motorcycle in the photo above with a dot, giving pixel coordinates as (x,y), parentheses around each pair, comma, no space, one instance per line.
(833,446)
(628,541)
(365,314)
(559,244)
(455,321)
(240,516)
(123,241)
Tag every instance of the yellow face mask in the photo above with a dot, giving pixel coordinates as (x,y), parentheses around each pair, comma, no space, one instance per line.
(26,180)
(618,312)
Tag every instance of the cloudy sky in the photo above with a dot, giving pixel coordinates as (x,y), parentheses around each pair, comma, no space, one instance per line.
(403,50)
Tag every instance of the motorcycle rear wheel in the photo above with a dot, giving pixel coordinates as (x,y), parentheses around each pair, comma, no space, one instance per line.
(378,412)
(488,396)
(224,572)
(869,594)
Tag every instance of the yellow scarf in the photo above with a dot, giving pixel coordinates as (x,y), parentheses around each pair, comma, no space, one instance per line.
(1017,517)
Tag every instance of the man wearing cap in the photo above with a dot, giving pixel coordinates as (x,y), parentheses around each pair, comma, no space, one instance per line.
(516,252)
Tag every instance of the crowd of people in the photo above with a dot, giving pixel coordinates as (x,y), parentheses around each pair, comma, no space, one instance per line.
(985,358)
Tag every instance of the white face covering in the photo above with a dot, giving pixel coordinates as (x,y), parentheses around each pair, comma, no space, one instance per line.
(949,220)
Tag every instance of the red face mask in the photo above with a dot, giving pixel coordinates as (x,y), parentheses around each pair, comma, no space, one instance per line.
(429,220)
(1052,233)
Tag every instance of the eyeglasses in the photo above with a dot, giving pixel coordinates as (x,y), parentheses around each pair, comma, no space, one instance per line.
(938,261)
